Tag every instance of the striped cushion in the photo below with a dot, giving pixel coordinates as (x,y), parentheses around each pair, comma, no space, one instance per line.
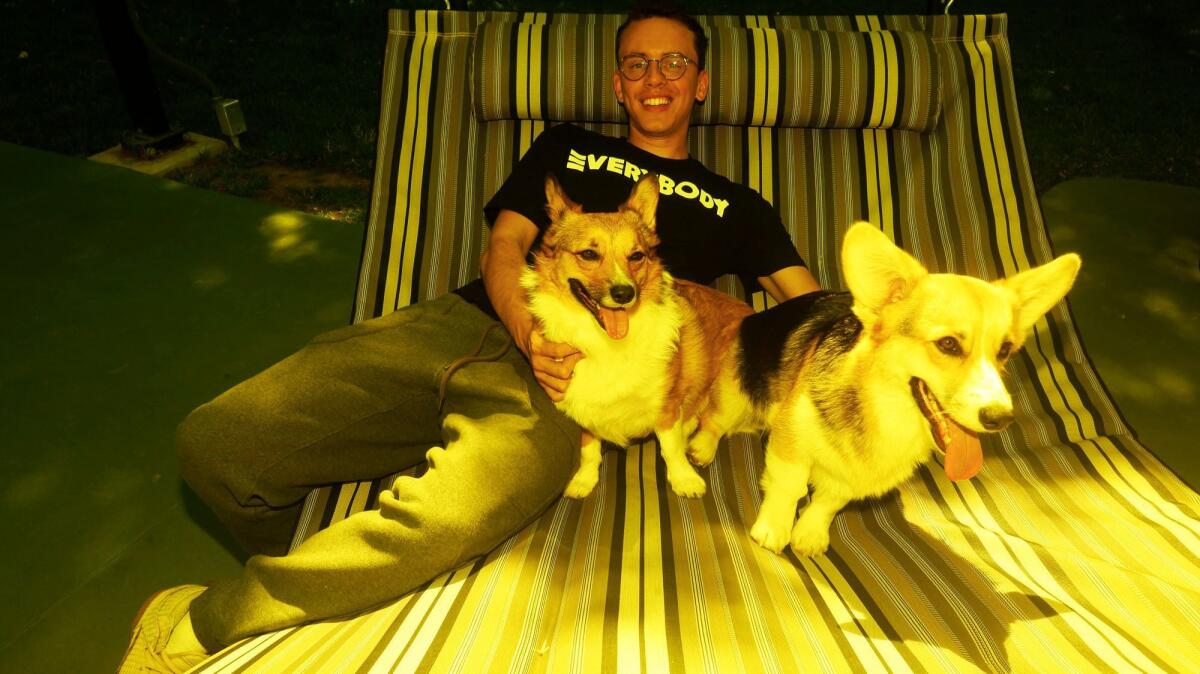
(880,79)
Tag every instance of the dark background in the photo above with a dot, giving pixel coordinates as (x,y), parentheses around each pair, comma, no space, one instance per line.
(1104,88)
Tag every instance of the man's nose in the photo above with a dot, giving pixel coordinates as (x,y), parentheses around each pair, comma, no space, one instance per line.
(654,73)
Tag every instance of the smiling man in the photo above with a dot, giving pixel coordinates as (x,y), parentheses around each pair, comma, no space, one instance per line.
(658,88)
(364,401)
(709,226)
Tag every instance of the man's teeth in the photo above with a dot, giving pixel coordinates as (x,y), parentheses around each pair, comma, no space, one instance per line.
(656,101)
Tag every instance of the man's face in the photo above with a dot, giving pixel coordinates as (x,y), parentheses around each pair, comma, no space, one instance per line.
(659,108)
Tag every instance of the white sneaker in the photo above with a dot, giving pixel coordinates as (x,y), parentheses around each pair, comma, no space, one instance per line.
(152,628)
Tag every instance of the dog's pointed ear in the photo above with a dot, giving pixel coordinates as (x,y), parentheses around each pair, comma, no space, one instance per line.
(877,271)
(557,201)
(1037,290)
(548,246)
(643,200)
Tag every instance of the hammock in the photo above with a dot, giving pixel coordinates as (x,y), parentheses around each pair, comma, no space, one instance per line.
(1075,549)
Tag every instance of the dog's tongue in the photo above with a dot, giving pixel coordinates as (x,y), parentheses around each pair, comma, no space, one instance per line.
(964,453)
(616,322)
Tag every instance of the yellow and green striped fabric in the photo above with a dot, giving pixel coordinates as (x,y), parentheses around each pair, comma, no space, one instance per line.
(1075,549)
(879,79)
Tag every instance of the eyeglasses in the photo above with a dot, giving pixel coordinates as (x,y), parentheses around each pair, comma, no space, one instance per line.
(672,66)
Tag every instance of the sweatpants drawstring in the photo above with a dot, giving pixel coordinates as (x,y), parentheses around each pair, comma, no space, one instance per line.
(456,364)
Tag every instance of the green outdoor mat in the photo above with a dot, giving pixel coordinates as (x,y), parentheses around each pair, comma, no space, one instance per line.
(1137,302)
(129,300)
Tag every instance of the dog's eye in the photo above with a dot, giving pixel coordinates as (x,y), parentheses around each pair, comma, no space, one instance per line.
(949,346)
(1005,351)
(589,255)
(637,256)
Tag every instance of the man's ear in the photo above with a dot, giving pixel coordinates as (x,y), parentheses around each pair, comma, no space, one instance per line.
(702,86)
(557,201)
(1037,290)
(616,83)
(643,200)
(877,271)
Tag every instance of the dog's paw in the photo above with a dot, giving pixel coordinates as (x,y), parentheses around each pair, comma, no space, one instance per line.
(770,533)
(687,483)
(691,486)
(582,484)
(702,449)
(808,540)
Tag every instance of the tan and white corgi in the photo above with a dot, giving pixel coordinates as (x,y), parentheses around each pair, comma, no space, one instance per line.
(859,388)
(596,283)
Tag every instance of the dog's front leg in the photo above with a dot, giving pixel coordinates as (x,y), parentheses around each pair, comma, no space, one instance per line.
(722,414)
(589,468)
(784,483)
(672,444)
(811,533)
(702,448)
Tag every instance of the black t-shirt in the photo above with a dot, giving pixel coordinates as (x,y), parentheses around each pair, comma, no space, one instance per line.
(708,225)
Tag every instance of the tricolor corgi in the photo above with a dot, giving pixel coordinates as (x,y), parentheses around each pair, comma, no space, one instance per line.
(859,388)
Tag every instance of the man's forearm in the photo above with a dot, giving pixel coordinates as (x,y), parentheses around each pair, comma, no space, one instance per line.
(501,267)
(789,282)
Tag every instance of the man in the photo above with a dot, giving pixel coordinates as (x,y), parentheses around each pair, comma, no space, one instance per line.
(363,401)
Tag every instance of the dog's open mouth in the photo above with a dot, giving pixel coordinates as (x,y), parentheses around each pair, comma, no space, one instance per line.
(613,321)
(960,447)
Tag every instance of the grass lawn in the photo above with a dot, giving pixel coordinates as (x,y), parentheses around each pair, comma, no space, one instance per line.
(1105,89)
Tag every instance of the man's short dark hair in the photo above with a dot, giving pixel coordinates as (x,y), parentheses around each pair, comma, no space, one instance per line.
(667,10)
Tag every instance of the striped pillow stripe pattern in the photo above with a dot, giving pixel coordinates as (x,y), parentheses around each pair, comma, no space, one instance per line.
(878,79)
(1074,550)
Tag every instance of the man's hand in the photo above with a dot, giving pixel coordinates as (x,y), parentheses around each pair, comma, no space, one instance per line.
(502,263)
(553,363)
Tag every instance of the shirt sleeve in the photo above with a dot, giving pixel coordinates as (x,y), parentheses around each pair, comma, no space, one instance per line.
(524,191)
(768,247)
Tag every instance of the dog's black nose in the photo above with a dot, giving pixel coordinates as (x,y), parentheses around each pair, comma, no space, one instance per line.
(622,294)
(995,417)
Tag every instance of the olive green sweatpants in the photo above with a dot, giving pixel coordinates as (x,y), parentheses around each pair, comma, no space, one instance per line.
(360,403)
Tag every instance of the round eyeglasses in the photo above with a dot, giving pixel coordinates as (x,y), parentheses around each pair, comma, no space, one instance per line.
(672,66)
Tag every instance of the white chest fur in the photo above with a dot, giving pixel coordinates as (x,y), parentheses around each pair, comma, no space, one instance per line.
(618,388)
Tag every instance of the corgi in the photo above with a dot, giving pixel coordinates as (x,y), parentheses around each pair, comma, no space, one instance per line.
(596,283)
(857,389)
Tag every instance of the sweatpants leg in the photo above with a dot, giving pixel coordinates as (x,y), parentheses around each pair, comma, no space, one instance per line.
(505,454)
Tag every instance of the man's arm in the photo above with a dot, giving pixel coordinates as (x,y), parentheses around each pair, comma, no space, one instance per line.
(501,266)
(789,282)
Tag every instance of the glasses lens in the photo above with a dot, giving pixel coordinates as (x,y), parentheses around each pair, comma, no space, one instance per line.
(673,66)
(634,67)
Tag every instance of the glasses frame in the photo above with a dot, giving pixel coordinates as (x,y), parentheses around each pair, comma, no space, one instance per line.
(657,62)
